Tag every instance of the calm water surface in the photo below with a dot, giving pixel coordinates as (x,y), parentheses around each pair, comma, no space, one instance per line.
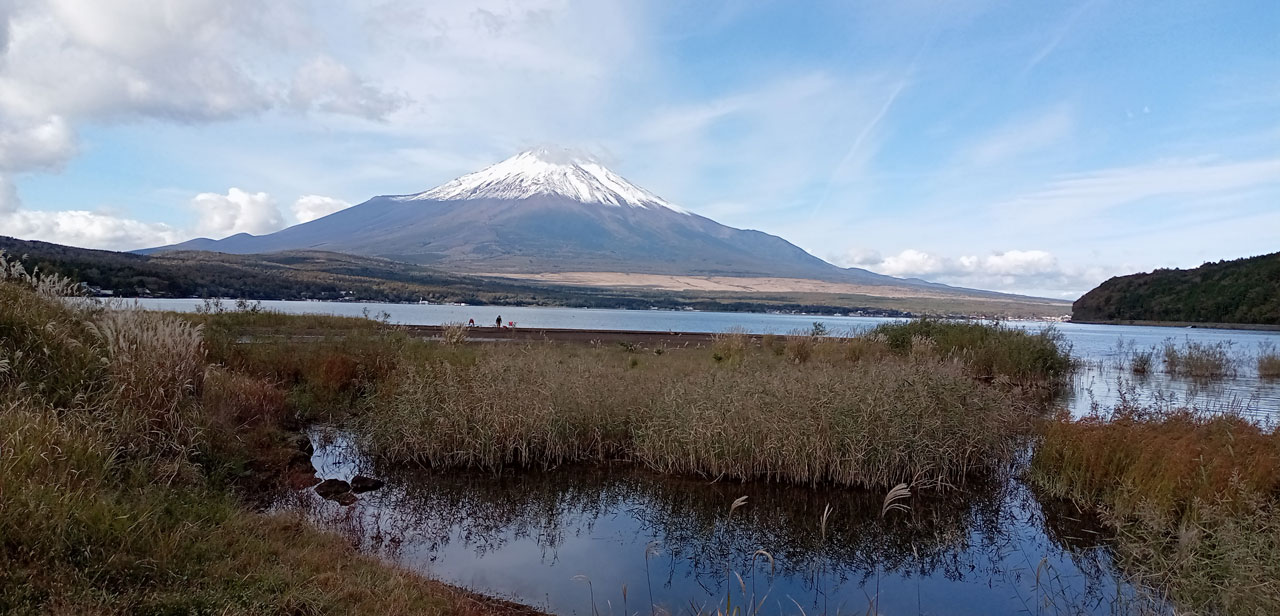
(526,536)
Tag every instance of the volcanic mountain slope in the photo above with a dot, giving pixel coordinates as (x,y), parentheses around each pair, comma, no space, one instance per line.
(547,211)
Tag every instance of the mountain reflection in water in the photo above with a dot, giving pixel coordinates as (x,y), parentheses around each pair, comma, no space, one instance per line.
(526,536)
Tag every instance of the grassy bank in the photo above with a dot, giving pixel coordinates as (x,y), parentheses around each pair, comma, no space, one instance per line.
(121,454)
(1193,498)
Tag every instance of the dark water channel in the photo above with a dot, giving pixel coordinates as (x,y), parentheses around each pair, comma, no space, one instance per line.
(538,537)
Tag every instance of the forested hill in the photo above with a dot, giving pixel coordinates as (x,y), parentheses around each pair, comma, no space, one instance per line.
(1239,291)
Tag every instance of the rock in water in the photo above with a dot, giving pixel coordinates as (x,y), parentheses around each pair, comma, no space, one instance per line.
(360,484)
(301,480)
(333,488)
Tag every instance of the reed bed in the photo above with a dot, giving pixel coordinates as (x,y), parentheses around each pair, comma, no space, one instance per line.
(1268,363)
(1199,360)
(872,424)
(1140,362)
(987,350)
(1193,498)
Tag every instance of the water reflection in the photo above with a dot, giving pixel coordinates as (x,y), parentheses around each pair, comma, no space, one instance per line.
(1100,385)
(526,535)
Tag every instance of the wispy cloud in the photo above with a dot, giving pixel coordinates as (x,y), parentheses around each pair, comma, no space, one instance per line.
(1022,136)
(858,145)
(1089,194)
(1058,36)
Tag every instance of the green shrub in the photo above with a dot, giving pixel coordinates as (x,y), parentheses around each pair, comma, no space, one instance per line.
(988,350)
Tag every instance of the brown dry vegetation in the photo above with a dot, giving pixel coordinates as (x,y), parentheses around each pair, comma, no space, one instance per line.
(987,350)
(1268,363)
(115,450)
(1192,496)
(801,408)
(742,413)
(1198,360)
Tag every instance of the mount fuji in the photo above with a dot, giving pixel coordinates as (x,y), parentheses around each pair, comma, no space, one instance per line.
(544,212)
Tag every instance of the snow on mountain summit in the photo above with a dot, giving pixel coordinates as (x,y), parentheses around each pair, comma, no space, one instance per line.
(548,172)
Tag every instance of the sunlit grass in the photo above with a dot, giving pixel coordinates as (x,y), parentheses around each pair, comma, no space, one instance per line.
(1193,498)
(760,417)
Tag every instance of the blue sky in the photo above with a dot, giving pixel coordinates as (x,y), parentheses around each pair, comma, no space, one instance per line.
(1030,147)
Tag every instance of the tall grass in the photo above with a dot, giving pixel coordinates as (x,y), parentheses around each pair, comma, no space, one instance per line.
(988,350)
(1193,498)
(454,333)
(731,345)
(155,367)
(800,345)
(1199,360)
(872,423)
(1268,362)
(109,430)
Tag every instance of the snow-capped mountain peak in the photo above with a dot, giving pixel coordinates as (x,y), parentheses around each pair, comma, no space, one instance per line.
(548,172)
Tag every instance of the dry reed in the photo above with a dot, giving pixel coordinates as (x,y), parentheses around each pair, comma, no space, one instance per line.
(1199,360)
(454,333)
(1268,363)
(1193,498)
(875,423)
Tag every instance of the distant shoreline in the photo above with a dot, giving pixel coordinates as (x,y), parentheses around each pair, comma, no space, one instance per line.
(1262,327)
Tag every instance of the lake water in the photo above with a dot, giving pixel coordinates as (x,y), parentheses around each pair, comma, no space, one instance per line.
(1102,347)
(528,536)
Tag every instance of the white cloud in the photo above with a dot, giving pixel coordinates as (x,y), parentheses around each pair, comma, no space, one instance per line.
(917,263)
(98,60)
(236,212)
(311,207)
(218,215)
(912,263)
(6,9)
(1035,272)
(31,145)
(9,201)
(1013,263)
(87,229)
(66,62)
(329,85)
